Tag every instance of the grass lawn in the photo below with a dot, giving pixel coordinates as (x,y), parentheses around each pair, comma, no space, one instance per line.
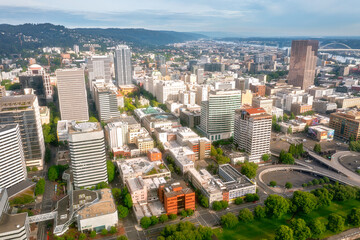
(265,228)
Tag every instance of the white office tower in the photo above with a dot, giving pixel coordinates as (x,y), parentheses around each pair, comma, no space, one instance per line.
(12,160)
(87,154)
(184,97)
(72,94)
(99,68)
(202,93)
(24,110)
(253,132)
(217,114)
(200,75)
(116,134)
(169,90)
(122,62)
(106,101)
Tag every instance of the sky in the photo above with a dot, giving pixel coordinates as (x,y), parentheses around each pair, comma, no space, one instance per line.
(244,18)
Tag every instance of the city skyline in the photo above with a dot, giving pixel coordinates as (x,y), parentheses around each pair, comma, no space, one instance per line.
(230,18)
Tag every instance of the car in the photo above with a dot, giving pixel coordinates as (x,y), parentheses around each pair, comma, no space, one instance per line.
(304,140)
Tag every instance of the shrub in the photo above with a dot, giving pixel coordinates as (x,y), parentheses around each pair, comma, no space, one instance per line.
(273,183)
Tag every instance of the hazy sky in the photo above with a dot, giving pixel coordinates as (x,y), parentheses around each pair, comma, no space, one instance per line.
(239,17)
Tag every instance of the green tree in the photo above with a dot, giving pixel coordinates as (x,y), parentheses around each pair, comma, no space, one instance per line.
(216,205)
(265,157)
(53,173)
(190,212)
(288,185)
(93,119)
(104,232)
(276,206)
(110,170)
(40,187)
(300,230)
(238,200)
(82,236)
(292,116)
(245,215)
(317,228)
(354,217)
(163,218)
(229,220)
(154,220)
(122,211)
(249,169)
(145,222)
(259,212)
(335,222)
(273,183)
(289,130)
(305,202)
(251,197)
(123,237)
(284,233)
(101,185)
(172,216)
(113,230)
(213,151)
(285,117)
(219,151)
(116,192)
(92,234)
(128,201)
(323,195)
(317,148)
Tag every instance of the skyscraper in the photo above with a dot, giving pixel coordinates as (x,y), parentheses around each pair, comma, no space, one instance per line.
(217,113)
(72,94)
(24,111)
(12,164)
(122,62)
(87,154)
(303,62)
(106,101)
(253,132)
(99,68)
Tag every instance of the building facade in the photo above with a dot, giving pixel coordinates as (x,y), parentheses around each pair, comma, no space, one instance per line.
(122,63)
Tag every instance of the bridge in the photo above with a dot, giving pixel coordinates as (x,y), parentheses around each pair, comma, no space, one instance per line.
(346,49)
(42,217)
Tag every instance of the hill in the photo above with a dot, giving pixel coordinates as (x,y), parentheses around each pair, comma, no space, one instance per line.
(16,38)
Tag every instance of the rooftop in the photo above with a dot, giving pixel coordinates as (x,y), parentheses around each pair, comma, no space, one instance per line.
(12,222)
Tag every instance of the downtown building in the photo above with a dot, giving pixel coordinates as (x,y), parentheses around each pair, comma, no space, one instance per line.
(99,68)
(303,63)
(24,110)
(346,124)
(72,94)
(217,114)
(87,154)
(253,132)
(122,62)
(12,160)
(106,101)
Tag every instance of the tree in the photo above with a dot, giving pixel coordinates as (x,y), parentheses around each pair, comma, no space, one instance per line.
(317,228)
(163,218)
(284,233)
(122,211)
(101,185)
(48,136)
(286,158)
(251,197)
(128,201)
(213,151)
(47,155)
(273,183)
(110,170)
(300,230)
(265,157)
(238,200)
(285,117)
(317,148)
(335,222)
(229,220)
(249,169)
(145,222)
(288,185)
(305,202)
(276,206)
(259,212)
(104,232)
(123,237)
(116,192)
(92,234)
(292,116)
(154,220)
(306,129)
(224,204)
(113,230)
(172,216)
(245,215)
(183,213)
(289,130)
(217,205)
(40,187)
(53,173)
(219,151)
(190,212)
(323,195)
(93,119)
(82,236)
(354,217)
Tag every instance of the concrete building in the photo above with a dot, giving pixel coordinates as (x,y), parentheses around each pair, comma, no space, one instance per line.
(154,155)
(253,132)
(122,63)
(169,90)
(176,197)
(87,154)
(184,158)
(44,115)
(318,92)
(2,91)
(202,93)
(12,226)
(263,102)
(140,113)
(12,165)
(190,118)
(258,89)
(217,114)
(324,107)
(161,120)
(72,94)
(321,133)
(299,108)
(137,189)
(346,124)
(144,143)
(106,101)
(98,68)
(24,111)
(303,63)
(116,134)
(246,97)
